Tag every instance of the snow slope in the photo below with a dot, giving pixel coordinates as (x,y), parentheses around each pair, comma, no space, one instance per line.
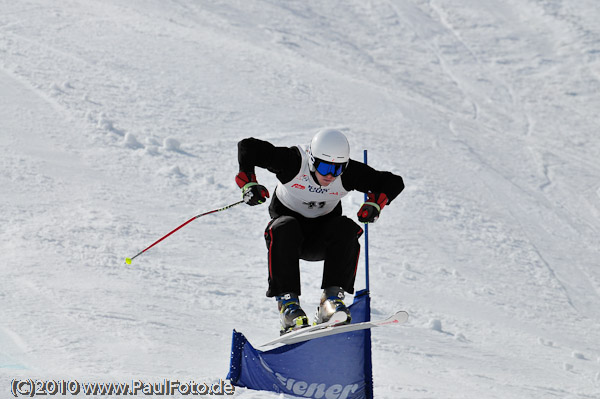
(119,121)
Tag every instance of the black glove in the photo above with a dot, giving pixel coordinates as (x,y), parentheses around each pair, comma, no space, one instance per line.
(252,192)
(370,210)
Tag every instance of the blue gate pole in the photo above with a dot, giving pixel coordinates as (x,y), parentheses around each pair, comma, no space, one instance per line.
(368,354)
(366,242)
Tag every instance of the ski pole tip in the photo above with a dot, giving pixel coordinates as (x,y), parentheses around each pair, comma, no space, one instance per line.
(128,261)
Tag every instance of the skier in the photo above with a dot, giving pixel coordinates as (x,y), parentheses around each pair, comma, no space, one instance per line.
(307,221)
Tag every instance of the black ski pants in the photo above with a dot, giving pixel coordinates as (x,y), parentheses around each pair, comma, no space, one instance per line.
(332,239)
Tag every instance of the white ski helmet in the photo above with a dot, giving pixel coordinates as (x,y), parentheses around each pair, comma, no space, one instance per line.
(329,145)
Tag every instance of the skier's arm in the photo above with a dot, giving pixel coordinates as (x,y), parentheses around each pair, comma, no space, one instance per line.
(365,179)
(381,188)
(285,162)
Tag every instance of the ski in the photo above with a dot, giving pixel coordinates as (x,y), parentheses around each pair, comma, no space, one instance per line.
(331,329)
(396,318)
(337,318)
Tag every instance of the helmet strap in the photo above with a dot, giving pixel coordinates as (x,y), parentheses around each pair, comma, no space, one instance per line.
(314,176)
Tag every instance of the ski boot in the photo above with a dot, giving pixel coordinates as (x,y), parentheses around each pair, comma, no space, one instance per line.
(332,300)
(291,314)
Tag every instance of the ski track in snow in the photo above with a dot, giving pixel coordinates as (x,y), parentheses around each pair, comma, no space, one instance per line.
(119,121)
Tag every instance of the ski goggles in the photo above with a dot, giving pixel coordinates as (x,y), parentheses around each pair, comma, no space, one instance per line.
(328,168)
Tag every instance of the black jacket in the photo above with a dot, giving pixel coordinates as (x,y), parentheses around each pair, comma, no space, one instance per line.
(285,163)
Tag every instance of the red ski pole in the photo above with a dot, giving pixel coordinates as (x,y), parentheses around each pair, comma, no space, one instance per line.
(128,260)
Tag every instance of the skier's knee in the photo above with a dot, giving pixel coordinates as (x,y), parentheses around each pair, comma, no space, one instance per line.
(349,228)
(286,227)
